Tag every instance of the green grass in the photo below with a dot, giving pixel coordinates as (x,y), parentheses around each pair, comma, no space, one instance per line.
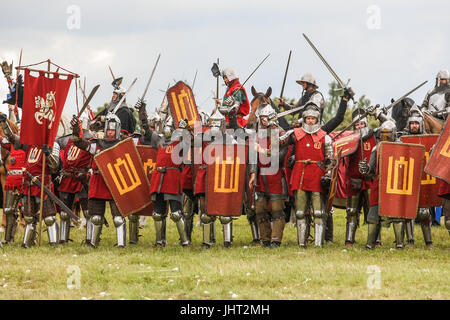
(142,272)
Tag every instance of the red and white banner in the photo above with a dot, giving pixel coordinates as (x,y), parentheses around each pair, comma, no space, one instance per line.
(43,103)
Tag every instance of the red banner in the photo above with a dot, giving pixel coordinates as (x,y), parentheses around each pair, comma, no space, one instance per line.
(182,104)
(225,177)
(148,160)
(122,170)
(400,171)
(439,163)
(429,186)
(43,103)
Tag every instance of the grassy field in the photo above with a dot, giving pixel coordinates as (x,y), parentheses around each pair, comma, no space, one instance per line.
(242,272)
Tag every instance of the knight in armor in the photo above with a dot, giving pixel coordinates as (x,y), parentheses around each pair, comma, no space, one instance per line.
(235,104)
(165,184)
(386,132)
(99,193)
(31,193)
(74,180)
(13,187)
(124,111)
(271,183)
(310,93)
(415,125)
(358,184)
(437,100)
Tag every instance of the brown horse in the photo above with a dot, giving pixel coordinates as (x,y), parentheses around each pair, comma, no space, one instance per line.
(5,162)
(259,99)
(432,124)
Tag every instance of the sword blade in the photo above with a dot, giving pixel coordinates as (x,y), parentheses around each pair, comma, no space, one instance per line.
(88,99)
(123,98)
(151,77)
(285,74)
(341,83)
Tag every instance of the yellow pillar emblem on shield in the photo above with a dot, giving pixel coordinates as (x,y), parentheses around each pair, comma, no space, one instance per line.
(446,149)
(73,154)
(128,166)
(180,107)
(407,182)
(429,179)
(220,186)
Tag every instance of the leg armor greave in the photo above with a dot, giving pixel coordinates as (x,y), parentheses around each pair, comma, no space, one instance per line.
(352,223)
(89,226)
(372,231)
(424,217)
(278,223)
(409,228)
(208,223)
(253,227)
(11,206)
(399,233)
(178,218)
(121,231)
(302,230)
(378,241)
(52,229)
(227,224)
(65,227)
(319,228)
(29,235)
(97,225)
(133,221)
(329,228)
(160,228)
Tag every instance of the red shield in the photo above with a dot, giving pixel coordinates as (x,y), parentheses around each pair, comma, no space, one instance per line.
(182,104)
(122,170)
(225,177)
(43,103)
(148,160)
(348,144)
(429,185)
(400,172)
(439,163)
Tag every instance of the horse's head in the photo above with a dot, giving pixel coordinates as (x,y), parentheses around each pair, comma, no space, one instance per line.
(260,98)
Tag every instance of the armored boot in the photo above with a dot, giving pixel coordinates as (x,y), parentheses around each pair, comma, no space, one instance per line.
(52,230)
(208,225)
(352,224)
(227,224)
(29,235)
(329,228)
(372,231)
(133,221)
(426,230)
(378,241)
(265,228)
(319,228)
(11,226)
(121,231)
(89,226)
(65,227)
(278,224)
(302,230)
(160,229)
(409,228)
(255,232)
(97,225)
(188,213)
(178,218)
(399,234)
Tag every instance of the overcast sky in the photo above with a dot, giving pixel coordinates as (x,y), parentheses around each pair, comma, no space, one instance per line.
(385,47)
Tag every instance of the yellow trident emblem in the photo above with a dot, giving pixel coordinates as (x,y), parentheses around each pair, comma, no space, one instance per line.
(446,149)
(429,179)
(407,182)
(180,107)
(128,166)
(220,186)
(149,166)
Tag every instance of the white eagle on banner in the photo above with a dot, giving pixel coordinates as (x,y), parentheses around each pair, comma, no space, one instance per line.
(45,108)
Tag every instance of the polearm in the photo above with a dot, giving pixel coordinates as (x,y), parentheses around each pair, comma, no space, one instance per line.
(340,82)
(112,74)
(385,110)
(17,90)
(193,82)
(285,75)
(150,79)
(217,83)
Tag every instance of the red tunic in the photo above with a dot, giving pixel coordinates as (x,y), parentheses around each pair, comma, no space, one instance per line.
(272,180)
(170,180)
(97,186)
(352,170)
(74,160)
(288,171)
(14,181)
(33,164)
(308,147)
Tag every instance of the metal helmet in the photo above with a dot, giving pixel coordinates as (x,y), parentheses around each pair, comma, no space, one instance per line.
(311,110)
(308,78)
(442,74)
(355,115)
(169,127)
(204,117)
(120,93)
(112,122)
(266,111)
(153,119)
(217,122)
(229,73)
(415,116)
(387,131)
